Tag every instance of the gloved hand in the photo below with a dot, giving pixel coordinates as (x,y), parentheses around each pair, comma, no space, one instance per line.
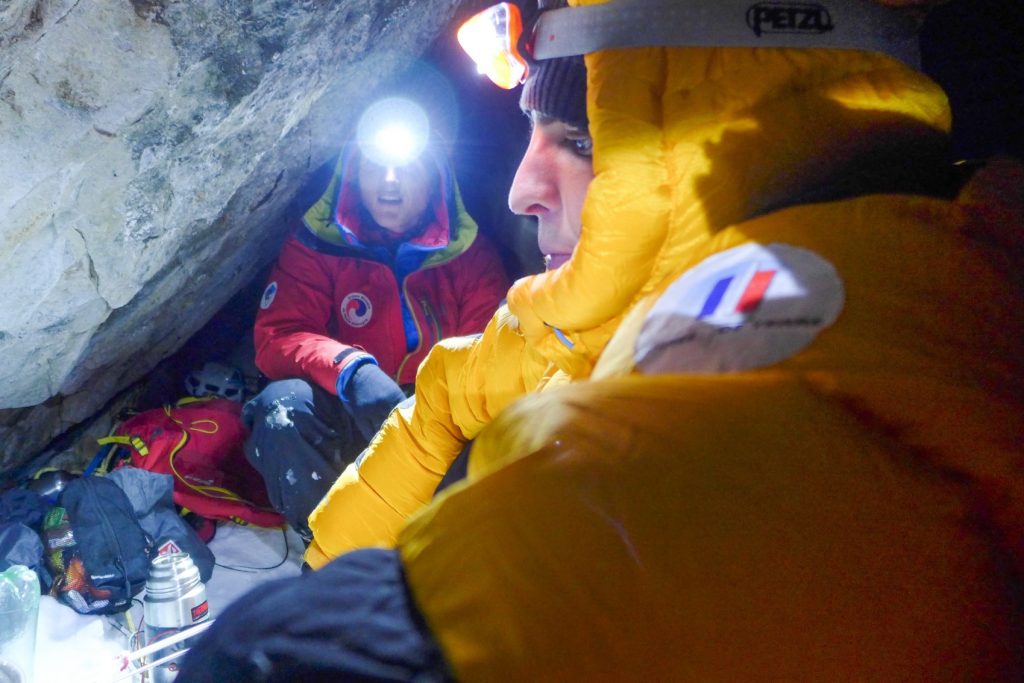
(368,396)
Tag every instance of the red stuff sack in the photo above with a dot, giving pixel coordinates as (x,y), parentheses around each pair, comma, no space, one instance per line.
(199,442)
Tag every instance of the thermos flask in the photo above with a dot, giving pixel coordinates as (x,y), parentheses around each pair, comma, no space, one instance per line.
(175,600)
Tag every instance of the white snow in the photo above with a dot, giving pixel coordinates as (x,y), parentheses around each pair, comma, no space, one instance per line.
(280,417)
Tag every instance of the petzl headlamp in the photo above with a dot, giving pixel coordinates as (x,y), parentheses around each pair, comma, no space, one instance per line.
(393,132)
(491,40)
(494,38)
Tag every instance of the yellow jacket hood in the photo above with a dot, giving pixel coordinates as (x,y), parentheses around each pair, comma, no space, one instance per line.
(746,137)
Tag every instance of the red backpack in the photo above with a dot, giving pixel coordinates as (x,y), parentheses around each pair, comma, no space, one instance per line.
(199,442)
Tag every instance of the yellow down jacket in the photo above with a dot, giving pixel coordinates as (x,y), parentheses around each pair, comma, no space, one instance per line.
(797,454)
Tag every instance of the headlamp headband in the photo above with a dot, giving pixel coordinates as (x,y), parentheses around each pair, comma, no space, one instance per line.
(833,24)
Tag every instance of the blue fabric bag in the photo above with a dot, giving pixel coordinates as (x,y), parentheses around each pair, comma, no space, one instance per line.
(96,548)
(152,497)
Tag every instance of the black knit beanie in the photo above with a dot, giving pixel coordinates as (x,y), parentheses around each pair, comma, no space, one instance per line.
(557,87)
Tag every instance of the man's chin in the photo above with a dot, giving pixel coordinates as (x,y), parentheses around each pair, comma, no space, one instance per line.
(553,261)
(391,224)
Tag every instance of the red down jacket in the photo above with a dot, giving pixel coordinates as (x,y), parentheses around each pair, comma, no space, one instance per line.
(335,287)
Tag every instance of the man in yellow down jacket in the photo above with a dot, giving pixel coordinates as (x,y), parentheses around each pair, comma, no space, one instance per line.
(779,431)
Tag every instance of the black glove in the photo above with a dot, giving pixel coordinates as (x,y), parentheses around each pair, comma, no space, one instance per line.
(368,397)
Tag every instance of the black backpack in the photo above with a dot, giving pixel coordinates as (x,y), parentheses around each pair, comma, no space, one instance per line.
(96,549)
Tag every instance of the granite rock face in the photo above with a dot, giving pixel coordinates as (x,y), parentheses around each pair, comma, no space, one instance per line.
(148,153)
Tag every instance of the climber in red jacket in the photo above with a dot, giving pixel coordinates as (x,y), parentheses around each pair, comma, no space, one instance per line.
(384,265)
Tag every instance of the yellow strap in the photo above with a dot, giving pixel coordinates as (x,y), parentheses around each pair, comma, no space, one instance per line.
(114,439)
(44,470)
(134,441)
(209,430)
(209,491)
(193,399)
(217,492)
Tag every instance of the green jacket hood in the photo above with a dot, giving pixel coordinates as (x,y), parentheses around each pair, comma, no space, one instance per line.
(338,220)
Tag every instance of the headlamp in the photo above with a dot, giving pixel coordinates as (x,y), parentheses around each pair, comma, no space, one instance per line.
(492,37)
(393,132)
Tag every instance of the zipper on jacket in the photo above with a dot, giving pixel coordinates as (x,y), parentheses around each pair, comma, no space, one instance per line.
(431,318)
(419,333)
(110,533)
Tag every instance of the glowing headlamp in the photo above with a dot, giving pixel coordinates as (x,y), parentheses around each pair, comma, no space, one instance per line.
(393,132)
(492,37)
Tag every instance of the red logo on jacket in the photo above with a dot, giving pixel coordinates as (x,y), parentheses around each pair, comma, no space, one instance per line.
(356,309)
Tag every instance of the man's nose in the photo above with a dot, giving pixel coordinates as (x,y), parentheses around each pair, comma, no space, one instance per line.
(532,190)
(390,174)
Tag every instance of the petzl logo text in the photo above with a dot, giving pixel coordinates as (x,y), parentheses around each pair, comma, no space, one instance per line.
(788,17)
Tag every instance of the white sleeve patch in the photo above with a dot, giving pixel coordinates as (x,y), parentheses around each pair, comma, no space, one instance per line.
(747,307)
(268,295)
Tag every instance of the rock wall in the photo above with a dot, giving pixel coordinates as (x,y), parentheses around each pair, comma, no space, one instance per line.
(148,152)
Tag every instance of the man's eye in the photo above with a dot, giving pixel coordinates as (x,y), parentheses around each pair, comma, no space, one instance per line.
(584,145)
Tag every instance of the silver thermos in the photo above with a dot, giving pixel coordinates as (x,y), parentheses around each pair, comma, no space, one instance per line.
(175,600)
